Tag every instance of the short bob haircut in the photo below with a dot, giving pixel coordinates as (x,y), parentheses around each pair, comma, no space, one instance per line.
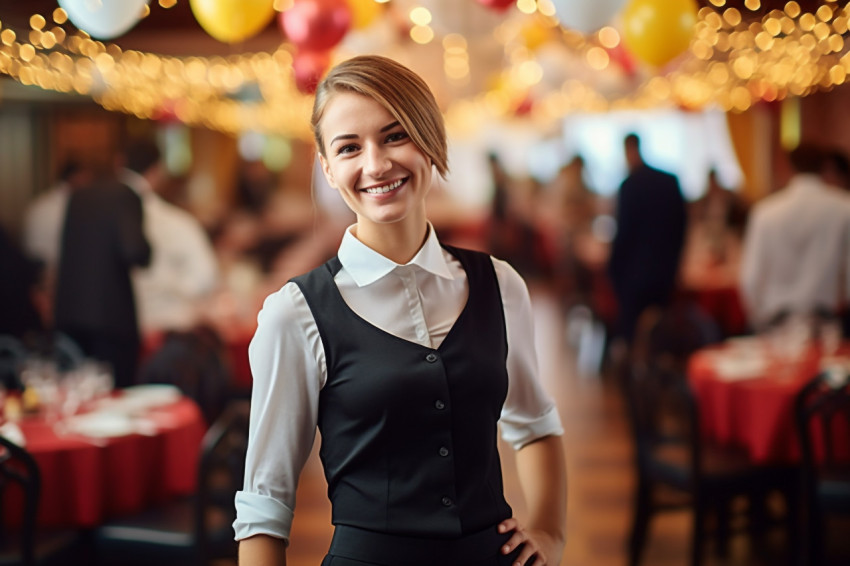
(398,89)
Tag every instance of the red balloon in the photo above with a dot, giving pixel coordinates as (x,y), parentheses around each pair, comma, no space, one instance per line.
(309,67)
(498,5)
(316,25)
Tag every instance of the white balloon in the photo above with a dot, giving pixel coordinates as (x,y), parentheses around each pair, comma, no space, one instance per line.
(104,19)
(586,16)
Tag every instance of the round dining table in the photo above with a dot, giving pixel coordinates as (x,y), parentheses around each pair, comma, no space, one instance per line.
(745,394)
(99,465)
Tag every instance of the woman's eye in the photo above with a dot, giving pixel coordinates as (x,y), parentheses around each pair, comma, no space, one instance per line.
(396,136)
(346,149)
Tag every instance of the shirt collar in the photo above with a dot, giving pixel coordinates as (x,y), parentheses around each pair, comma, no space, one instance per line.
(366,266)
(136,182)
(806,182)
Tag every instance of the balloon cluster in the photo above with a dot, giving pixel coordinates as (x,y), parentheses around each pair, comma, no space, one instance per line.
(106,19)
(654,31)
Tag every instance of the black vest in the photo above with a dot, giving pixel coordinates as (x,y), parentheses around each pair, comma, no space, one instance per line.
(409,433)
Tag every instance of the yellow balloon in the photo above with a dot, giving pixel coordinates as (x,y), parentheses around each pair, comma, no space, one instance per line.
(363,12)
(232,21)
(657,31)
(535,34)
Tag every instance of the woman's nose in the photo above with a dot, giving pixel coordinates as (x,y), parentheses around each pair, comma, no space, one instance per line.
(377,161)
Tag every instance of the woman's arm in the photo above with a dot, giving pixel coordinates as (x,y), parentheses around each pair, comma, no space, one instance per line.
(262,550)
(543,477)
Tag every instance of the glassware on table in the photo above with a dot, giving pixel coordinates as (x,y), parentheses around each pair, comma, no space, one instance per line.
(41,393)
(788,343)
(89,381)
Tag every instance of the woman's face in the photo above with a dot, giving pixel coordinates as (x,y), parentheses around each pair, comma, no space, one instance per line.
(381,174)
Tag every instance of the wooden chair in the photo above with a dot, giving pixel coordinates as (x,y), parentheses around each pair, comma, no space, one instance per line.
(194,530)
(194,361)
(821,406)
(24,544)
(675,468)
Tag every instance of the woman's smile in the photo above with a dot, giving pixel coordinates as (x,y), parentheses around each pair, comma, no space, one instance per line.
(385,189)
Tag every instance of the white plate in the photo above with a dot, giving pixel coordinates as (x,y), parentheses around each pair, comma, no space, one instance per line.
(100,425)
(151,395)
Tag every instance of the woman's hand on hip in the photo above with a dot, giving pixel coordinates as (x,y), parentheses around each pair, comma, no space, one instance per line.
(538,544)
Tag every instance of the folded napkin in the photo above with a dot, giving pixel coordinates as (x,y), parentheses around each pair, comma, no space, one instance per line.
(99,425)
(735,366)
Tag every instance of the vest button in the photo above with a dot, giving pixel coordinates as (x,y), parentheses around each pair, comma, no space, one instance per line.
(439,404)
(431,358)
(447,501)
(444,451)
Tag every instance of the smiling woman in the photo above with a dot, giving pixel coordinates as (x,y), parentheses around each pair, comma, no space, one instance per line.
(380,173)
(408,355)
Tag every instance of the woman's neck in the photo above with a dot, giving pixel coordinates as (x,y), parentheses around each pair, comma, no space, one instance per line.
(399,241)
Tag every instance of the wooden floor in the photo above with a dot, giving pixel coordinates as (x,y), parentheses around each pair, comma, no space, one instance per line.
(601,479)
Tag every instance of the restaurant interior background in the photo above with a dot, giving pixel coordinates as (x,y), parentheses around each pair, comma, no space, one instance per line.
(224,86)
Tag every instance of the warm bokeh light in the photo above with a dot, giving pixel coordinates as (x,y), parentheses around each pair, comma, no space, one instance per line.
(734,61)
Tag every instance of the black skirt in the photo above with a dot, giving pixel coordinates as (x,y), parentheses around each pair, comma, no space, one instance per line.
(358,547)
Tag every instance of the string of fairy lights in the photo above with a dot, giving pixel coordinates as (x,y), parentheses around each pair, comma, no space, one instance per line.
(734,61)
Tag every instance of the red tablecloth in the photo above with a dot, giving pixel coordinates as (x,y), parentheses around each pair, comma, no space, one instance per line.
(755,413)
(723,305)
(84,483)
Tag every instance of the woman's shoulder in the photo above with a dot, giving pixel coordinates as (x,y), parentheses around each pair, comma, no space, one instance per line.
(287,304)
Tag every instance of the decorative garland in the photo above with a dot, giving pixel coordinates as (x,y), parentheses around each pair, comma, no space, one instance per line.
(730,63)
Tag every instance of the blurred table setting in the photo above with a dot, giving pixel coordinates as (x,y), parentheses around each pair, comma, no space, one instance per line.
(746,386)
(101,452)
(710,276)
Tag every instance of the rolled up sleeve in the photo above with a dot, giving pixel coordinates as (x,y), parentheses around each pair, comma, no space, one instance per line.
(529,412)
(288,370)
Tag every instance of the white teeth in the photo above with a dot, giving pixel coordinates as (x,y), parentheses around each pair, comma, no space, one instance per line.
(384,189)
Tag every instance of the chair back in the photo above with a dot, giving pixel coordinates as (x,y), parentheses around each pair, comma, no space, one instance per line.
(18,470)
(822,411)
(221,473)
(662,408)
(13,353)
(195,362)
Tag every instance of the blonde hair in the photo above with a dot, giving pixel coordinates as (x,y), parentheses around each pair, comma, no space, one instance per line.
(398,89)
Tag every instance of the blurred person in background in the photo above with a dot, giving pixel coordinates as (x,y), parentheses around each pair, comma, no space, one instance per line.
(173,290)
(20,274)
(103,239)
(647,248)
(513,233)
(569,210)
(836,168)
(796,251)
(42,230)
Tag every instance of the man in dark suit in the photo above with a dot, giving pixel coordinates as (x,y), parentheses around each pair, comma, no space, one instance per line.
(651,219)
(102,241)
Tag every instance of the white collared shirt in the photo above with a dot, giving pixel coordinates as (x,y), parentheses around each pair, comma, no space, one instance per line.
(796,252)
(419,302)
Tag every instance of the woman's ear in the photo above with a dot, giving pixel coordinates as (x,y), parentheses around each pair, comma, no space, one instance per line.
(327,171)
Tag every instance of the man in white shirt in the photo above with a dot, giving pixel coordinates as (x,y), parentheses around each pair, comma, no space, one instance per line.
(796,253)
(183,272)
